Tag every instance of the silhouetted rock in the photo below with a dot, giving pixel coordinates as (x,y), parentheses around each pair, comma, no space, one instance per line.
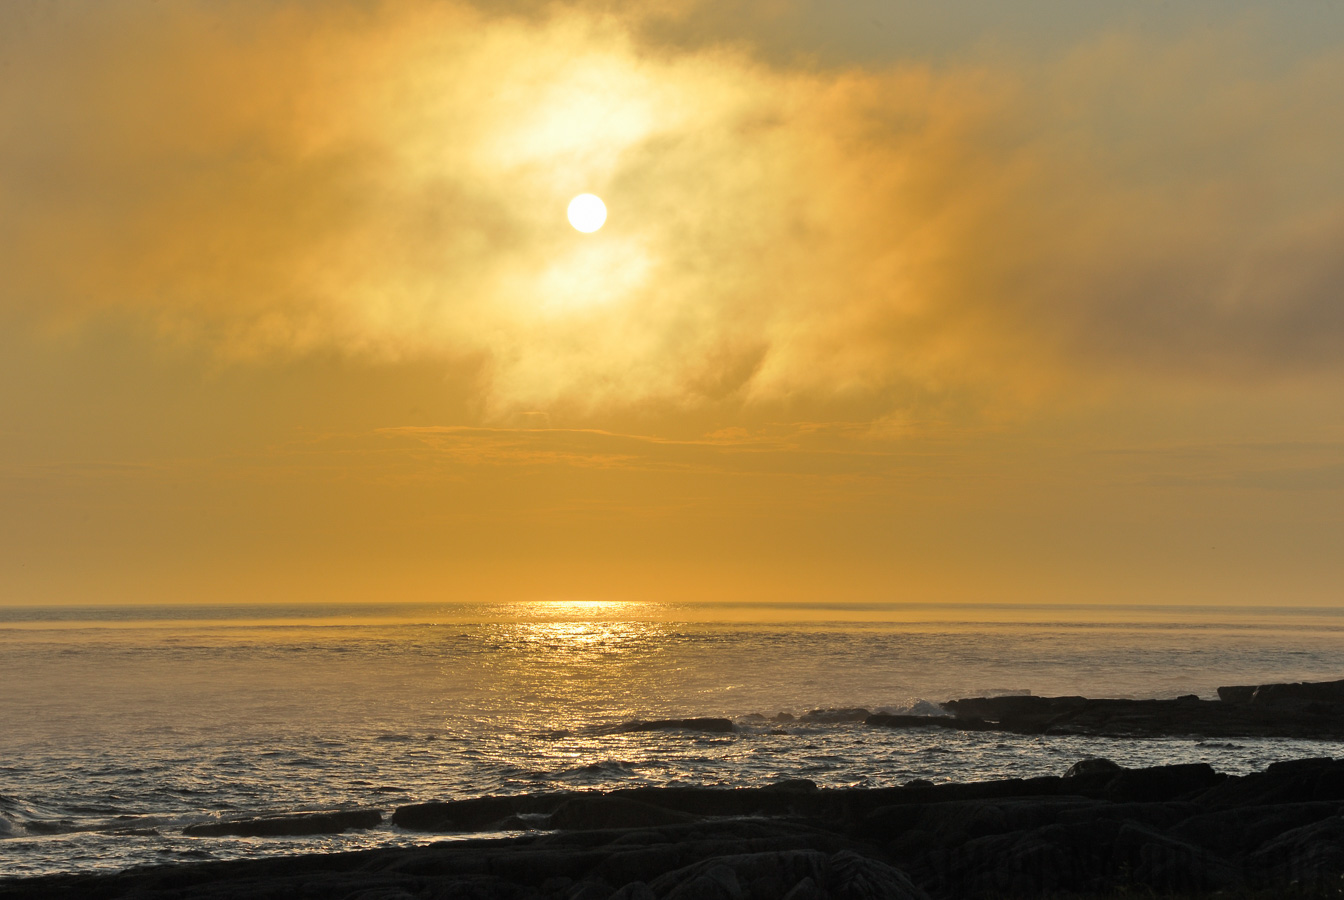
(605,811)
(1161,783)
(1296,781)
(475,813)
(712,725)
(954,723)
(1331,692)
(1091,773)
(792,784)
(790,874)
(1311,855)
(302,823)
(1102,828)
(1306,711)
(1240,693)
(835,716)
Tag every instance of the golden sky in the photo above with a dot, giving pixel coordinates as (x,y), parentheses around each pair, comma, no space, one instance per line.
(896,301)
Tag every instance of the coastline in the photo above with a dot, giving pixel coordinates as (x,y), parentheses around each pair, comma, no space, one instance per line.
(1167,831)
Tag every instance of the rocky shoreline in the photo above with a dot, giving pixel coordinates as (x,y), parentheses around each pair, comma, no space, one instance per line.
(1098,829)
(1303,711)
(1171,830)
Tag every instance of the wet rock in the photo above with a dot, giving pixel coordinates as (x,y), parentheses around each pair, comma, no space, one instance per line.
(711,725)
(1092,767)
(291,825)
(604,811)
(1306,711)
(475,813)
(1024,709)
(793,784)
(1296,781)
(836,716)
(1240,693)
(954,723)
(1161,783)
(1329,692)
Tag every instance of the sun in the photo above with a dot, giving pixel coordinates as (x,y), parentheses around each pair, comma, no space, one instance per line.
(587,212)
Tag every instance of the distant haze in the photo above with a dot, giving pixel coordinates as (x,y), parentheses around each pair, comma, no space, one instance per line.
(953,303)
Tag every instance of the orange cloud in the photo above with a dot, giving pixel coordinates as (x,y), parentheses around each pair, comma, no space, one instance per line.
(389,181)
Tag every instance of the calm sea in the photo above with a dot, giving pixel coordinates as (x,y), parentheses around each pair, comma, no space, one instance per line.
(120,726)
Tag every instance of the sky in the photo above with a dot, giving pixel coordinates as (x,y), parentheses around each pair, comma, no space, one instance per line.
(896,301)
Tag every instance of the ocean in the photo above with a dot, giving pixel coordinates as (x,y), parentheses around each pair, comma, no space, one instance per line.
(120,726)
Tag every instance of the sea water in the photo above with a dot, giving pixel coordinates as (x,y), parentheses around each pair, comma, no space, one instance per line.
(120,726)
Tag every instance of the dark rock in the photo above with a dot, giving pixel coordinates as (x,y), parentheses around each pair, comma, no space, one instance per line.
(1092,768)
(298,824)
(1013,707)
(1161,816)
(713,725)
(605,811)
(1298,693)
(475,813)
(1312,855)
(954,822)
(1161,783)
(856,877)
(589,890)
(1305,711)
(1297,781)
(1034,863)
(1157,862)
(798,874)
(955,723)
(1240,693)
(806,889)
(836,716)
(1237,832)
(792,784)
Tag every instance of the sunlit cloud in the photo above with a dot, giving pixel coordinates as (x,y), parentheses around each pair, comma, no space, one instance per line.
(395,185)
(926,300)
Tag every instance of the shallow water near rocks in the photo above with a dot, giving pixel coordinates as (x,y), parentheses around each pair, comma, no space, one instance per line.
(122,726)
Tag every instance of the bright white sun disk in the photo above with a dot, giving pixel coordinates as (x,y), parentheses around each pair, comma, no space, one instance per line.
(587,212)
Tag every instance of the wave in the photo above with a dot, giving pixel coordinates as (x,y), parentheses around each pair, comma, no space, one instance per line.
(19,819)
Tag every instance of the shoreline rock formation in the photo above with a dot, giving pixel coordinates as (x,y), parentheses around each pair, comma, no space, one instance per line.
(1306,711)
(1099,828)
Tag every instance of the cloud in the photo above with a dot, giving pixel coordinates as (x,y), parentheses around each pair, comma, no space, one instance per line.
(389,180)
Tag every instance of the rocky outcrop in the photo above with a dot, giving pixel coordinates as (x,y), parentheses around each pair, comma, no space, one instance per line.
(299,824)
(1100,828)
(708,724)
(1298,693)
(1305,711)
(479,813)
(954,723)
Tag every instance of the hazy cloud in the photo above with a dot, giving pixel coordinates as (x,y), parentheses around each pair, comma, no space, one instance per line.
(388,180)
